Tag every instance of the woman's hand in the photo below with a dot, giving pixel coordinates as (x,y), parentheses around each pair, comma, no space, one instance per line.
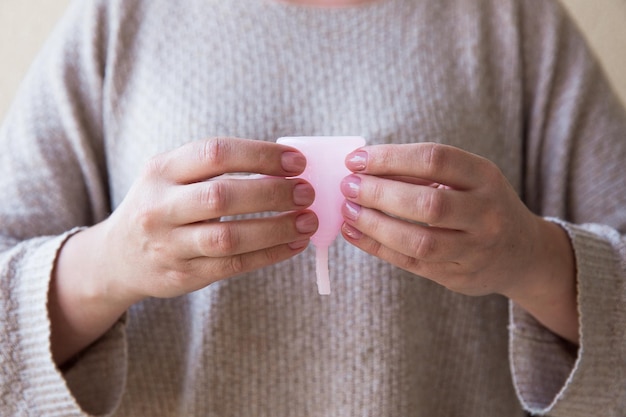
(166,238)
(452,217)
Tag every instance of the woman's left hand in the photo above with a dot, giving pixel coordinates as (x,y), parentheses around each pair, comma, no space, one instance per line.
(452,217)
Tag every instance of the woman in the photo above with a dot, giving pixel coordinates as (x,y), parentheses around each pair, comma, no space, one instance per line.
(494,168)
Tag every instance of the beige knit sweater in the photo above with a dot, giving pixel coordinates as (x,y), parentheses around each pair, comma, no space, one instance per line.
(121,80)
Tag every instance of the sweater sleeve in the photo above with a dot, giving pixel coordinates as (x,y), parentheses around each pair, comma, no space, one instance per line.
(576,177)
(52,182)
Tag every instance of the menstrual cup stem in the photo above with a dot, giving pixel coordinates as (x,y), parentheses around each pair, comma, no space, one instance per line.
(321,269)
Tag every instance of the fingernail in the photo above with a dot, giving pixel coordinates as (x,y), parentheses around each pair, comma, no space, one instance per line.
(351,211)
(293,162)
(299,244)
(350,186)
(357,161)
(303,194)
(306,223)
(352,232)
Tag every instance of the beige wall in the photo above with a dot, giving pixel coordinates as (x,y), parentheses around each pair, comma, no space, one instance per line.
(604,23)
(24,24)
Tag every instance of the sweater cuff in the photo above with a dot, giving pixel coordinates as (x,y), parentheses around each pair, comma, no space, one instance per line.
(548,376)
(47,389)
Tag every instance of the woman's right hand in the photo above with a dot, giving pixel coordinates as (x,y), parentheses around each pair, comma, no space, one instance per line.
(166,238)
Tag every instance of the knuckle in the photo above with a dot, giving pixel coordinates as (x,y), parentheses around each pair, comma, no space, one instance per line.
(491,171)
(236,265)
(223,240)
(376,248)
(178,278)
(492,176)
(272,256)
(435,158)
(435,207)
(275,194)
(242,263)
(372,225)
(410,263)
(214,196)
(146,217)
(385,155)
(424,245)
(156,166)
(378,191)
(215,151)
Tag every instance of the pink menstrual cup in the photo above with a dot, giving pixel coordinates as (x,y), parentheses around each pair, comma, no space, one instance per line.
(325,169)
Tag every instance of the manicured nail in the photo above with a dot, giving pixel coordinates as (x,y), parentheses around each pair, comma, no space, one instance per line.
(306,223)
(351,211)
(352,232)
(293,162)
(299,244)
(303,194)
(350,186)
(356,161)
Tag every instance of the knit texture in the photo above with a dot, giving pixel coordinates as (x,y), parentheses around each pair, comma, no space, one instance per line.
(122,80)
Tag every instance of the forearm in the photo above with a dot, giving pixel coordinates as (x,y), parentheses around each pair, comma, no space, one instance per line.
(80,304)
(164,239)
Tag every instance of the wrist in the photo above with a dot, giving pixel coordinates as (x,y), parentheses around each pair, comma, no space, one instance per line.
(83,302)
(547,289)
(84,264)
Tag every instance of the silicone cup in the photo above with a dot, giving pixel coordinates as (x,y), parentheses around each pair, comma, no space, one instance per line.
(325,169)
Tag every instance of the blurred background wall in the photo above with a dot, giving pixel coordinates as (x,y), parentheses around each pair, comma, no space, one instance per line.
(604,24)
(24,25)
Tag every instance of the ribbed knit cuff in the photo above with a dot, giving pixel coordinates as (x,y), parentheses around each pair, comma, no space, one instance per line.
(45,390)
(547,377)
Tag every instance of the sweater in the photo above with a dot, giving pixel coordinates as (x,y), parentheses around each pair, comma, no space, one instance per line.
(122,80)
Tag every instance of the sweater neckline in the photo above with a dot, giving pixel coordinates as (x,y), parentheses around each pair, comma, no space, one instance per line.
(322,9)
(304,18)
(284,7)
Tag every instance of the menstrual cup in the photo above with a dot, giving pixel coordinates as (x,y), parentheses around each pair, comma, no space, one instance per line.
(325,168)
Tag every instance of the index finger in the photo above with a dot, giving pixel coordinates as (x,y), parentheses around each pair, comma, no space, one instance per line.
(432,162)
(204,159)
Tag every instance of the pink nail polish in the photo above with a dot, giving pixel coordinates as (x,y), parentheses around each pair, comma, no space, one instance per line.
(357,161)
(352,232)
(351,211)
(350,186)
